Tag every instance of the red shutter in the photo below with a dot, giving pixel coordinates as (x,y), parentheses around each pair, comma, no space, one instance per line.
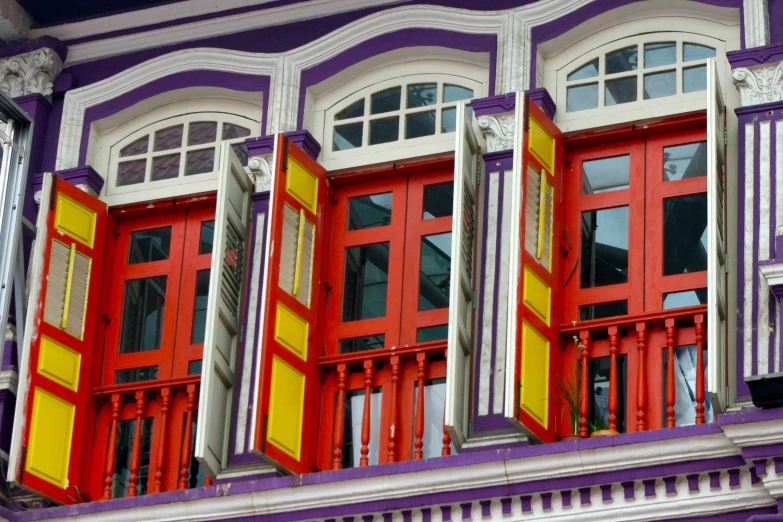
(54,390)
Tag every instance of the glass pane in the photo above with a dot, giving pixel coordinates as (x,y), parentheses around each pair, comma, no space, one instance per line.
(369,211)
(438,200)
(656,54)
(167,139)
(194,367)
(385,101)
(660,84)
(694,79)
(200,161)
(604,247)
(196,474)
(131,172)
(149,245)
(347,136)
(683,299)
(206,237)
(622,90)
(165,167)
(452,93)
(622,60)
(685,386)
(588,70)
(448,120)
(354,110)
(691,51)
(685,161)
(231,131)
(360,344)
(366,279)
(419,124)
(685,234)
(582,97)
(432,333)
(606,174)
(200,307)
(384,131)
(240,149)
(352,427)
(201,132)
(122,451)
(434,402)
(421,94)
(137,147)
(598,386)
(435,271)
(148,373)
(142,314)
(601,310)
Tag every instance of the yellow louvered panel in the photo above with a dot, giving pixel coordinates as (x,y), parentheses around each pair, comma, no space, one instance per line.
(547,246)
(532,210)
(289,251)
(78,298)
(306,264)
(56,281)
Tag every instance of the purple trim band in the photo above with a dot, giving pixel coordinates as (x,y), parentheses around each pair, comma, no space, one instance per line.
(755,452)
(494,104)
(542,98)
(750,414)
(265,144)
(85,175)
(755,56)
(43,42)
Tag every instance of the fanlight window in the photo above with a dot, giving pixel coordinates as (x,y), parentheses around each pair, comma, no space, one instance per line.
(642,71)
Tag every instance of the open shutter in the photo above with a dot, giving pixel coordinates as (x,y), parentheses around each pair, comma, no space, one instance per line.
(460,340)
(534,355)
(716,241)
(59,337)
(288,386)
(222,336)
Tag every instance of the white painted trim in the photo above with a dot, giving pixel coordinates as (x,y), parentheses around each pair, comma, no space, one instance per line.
(747,287)
(756,23)
(9,380)
(772,273)
(755,433)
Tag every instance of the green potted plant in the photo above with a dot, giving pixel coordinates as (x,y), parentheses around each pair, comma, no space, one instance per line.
(569,394)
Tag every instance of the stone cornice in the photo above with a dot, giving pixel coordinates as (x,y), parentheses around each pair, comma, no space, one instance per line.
(498,130)
(33,72)
(759,84)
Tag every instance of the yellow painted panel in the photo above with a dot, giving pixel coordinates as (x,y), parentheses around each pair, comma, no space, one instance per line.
(286,408)
(536,295)
(541,145)
(74,219)
(534,375)
(302,185)
(51,431)
(59,363)
(291,331)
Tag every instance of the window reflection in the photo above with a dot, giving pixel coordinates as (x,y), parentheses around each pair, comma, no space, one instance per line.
(434,402)
(142,314)
(598,390)
(352,428)
(435,270)
(604,247)
(685,386)
(369,211)
(366,279)
(685,234)
(685,298)
(123,448)
(360,344)
(606,174)
(149,245)
(685,161)
(200,307)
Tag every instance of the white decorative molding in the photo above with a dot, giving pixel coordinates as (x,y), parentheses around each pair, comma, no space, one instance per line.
(30,73)
(15,22)
(498,131)
(755,433)
(10,333)
(772,273)
(756,23)
(760,83)
(81,186)
(9,380)
(261,166)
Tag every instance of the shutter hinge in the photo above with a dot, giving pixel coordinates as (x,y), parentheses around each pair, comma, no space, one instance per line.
(470,426)
(54,191)
(726,266)
(474,299)
(24,462)
(263,433)
(284,166)
(725,135)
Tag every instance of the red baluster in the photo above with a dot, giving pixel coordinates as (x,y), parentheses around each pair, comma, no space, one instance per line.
(368,369)
(394,362)
(641,386)
(141,398)
(446,450)
(612,406)
(110,451)
(165,397)
(698,322)
(187,439)
(207,481)
(584,403)
(418,444)
(339,418)
(669,324)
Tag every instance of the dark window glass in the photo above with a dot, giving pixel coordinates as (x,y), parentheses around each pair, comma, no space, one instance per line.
(422,94)
(694,78)
(385,101)
(384,130)
(201,132)
(131,172)
(165,167)
(434,402)
(622,90)
(598,390)
(200,307)
(685,386)
(196,474)
(194,367)
(685,234)
(369,211)
(122,460)
(366,279)
(452,93)
(582,97)
(588,70)
(240,149)
(604,247)
(606,174)
(353,404)
(354,110)
(685,161)
(658,85)
(435,271)
(207,236)
(419,124)
(656,54)
(448,120)
(137,147)
(622,60)
(149,245)
(360,344)
(691,51)
(142,314)
(685,298)
(601,310)
(148,373)
(231,131)
(199,161)
(347,136)
(167,139)
(432,333)
(438,200)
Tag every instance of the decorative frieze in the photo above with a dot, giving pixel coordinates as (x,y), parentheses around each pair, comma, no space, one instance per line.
(261,167)
(30,73)
(760,84)
(498,131)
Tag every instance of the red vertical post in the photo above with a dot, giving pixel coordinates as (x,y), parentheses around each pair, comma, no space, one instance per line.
(187,438)
(584,403)
(641,377)
(364,460)
(339,418)
(698,321)
(418,444)
(207,481)
(110,451)
(669,324)
(613,381)
(394,362)
(141,398)
(446,450)
(165,398)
